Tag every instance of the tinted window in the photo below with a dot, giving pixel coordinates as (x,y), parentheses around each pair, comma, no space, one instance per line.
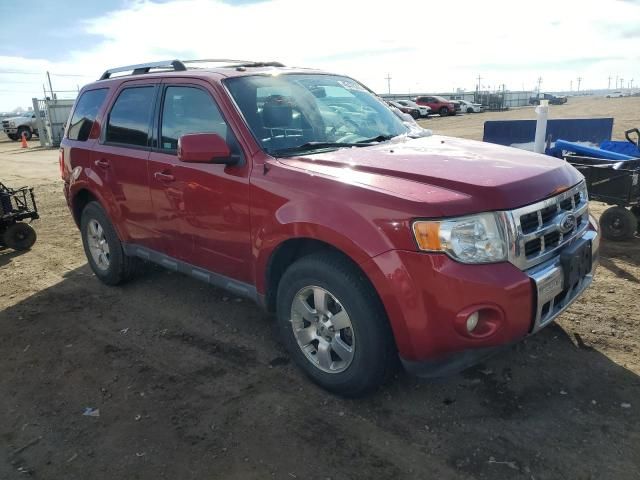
(188,110)
(129,120)
(85,114)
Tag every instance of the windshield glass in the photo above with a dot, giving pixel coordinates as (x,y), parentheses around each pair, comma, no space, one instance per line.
(311,111)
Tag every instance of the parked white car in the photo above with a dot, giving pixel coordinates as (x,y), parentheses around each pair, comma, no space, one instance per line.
(424,110)
(616,94)
(468,107)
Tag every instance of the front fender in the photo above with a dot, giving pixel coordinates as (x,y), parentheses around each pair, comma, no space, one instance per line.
(342,227)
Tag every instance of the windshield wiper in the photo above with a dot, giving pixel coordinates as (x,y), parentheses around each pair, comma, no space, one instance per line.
(305,147)
(379,138)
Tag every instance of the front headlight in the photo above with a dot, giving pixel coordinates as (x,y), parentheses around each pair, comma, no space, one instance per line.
(478,238)
(12,124)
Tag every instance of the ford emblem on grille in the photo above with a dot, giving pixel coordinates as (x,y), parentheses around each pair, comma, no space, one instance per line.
(567,223)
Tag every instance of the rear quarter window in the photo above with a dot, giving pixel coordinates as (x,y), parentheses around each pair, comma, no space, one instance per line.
(85,113)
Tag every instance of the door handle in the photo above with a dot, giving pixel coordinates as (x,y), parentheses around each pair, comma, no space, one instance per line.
(164,177)
(102,163)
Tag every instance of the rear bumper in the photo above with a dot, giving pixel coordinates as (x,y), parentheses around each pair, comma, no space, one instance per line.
(428,298)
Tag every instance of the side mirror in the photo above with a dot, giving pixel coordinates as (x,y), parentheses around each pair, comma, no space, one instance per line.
(205,148)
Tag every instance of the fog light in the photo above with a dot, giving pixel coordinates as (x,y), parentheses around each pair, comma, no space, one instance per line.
(472,321)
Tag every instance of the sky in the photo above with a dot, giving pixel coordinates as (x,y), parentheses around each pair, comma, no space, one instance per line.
(424,46)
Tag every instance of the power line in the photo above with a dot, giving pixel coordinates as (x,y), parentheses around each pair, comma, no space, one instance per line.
(25,72)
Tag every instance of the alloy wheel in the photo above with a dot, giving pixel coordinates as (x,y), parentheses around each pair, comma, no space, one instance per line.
(98,245)
(323,329)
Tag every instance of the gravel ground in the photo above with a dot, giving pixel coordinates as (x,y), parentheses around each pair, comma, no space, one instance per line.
(191,382)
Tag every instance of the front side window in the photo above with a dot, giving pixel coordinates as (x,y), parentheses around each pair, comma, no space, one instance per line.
(85,114)
(312,111)
(188,110)
(130,118)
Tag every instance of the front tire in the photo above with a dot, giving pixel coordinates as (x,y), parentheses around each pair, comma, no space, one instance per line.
(469,110)
(103,248)
(26,131)
(618,223)
(334,325)
(444,111)
(19,236)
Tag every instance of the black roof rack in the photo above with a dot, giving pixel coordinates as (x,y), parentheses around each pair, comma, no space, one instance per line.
(236,63)
(175,65)
(179,66)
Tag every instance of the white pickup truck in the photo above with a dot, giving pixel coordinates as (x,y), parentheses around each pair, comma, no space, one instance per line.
(26,123)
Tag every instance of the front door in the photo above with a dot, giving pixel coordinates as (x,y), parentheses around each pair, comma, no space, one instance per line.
(210,202)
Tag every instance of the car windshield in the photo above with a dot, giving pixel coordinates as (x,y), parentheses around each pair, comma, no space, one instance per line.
(295,112)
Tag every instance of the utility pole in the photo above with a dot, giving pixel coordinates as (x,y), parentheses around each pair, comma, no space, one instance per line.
(479,82)
(630,84)
(609,84)
(388,78)
(579,80)
(539,84)
(50,87)
(621,83)
(616,82)
(571,86)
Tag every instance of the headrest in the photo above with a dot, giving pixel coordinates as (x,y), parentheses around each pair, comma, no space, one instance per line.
(277,113)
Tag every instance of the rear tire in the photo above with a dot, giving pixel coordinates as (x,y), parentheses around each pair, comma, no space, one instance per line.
(19,236)
(618,223)
(103,248)
(636,211)
(350,357)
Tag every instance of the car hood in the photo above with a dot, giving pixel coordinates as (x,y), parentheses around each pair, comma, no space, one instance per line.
(454,176)
(13,119)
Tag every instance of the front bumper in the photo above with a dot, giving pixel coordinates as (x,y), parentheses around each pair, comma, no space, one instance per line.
(428,297)
(553,296)
(9,130)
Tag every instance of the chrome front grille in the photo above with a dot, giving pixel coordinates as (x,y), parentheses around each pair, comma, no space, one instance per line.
(543,228)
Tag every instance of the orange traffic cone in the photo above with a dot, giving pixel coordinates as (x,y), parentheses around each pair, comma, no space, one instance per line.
(23,142)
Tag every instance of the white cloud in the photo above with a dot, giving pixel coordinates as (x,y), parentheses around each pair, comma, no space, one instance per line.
(426,46)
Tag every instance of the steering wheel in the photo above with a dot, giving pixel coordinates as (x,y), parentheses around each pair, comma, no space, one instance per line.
(351,122)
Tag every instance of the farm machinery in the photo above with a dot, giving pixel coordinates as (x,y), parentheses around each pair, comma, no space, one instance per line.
(17,206)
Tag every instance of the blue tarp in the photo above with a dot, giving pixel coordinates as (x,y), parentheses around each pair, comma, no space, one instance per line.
(563,145)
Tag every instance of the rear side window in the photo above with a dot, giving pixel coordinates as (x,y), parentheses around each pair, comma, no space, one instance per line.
(85,114)
(130,118)
(189,110)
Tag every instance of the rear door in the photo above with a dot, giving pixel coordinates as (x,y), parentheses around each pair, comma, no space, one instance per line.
(211,201)
(120,159)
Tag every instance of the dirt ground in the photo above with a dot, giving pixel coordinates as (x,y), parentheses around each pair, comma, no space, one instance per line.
(191,382)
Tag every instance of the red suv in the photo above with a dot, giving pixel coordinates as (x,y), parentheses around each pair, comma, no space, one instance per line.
(438,105)
(302,190)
